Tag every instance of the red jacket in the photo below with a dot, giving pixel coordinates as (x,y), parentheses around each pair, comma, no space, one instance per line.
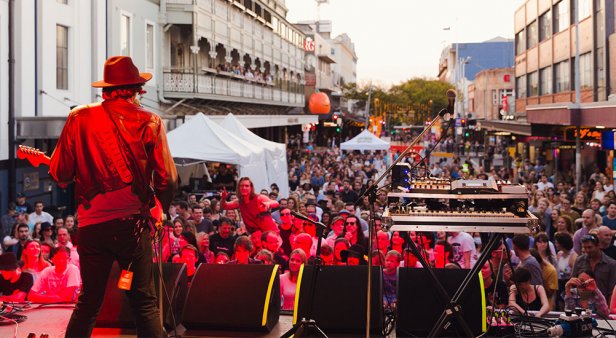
(83,153)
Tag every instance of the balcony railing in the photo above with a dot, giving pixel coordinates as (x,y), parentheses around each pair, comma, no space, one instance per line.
(206,86)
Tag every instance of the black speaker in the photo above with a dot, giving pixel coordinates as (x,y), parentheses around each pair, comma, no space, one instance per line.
(233,297)
(116,311)
(339,298)
(419,305)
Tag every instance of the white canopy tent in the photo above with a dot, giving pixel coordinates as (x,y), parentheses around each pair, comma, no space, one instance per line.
(365,141)
(200,139)
(275,153)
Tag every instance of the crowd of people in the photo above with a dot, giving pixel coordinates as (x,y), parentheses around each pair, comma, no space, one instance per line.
(570,262)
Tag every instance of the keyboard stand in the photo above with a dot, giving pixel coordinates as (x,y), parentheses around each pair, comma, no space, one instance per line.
(453,310)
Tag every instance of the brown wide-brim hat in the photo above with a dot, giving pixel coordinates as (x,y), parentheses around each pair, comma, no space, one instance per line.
(121,71)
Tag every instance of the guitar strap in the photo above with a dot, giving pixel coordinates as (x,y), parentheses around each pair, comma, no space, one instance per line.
(138,185)
(111,144)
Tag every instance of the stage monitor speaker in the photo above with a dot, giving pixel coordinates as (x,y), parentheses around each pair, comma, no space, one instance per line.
(419,305)
(233,297)
(340,298)
(116,311)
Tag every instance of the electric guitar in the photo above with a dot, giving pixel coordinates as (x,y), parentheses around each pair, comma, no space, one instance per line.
(37,157)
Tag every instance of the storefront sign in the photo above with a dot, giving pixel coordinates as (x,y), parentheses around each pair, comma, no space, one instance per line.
(607,140)
(586,134)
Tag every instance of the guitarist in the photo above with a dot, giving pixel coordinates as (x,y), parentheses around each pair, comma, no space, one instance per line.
(116,152)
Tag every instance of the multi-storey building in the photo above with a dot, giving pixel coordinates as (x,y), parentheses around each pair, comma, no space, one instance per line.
(546,44)
(460,62)
(238,56)
(193,49)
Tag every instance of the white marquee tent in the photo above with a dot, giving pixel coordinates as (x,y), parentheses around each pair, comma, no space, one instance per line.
(275,153)
(200,139)
(365,141)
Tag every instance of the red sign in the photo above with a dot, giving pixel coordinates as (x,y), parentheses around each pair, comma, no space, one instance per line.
(309,44)
(505,103)
(507,77)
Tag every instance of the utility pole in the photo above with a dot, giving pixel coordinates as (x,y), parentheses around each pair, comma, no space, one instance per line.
(578,100)
(368,106)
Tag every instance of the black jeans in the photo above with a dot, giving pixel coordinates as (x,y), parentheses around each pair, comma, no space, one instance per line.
(99,245)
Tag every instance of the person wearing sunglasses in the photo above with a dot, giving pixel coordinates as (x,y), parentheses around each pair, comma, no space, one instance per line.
(597,262)
(353,235)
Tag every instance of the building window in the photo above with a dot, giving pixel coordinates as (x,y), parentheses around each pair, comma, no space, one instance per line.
(149,46)
(545,79)
(248,4)
(533,84)
(61,57)
(520,86)
(583,10)
(562,75)
(531,35)
(586,70)
(125,35)
(545,25)
(561,16)
(520,42)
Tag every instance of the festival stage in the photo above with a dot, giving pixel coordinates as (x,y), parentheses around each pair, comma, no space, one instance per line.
(52,320)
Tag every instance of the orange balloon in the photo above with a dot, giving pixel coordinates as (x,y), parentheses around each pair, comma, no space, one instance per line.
(319,103)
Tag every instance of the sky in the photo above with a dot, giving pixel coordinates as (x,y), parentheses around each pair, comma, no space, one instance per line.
(397,40)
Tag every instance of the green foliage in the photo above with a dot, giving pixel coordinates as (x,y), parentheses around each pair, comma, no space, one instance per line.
(416,99)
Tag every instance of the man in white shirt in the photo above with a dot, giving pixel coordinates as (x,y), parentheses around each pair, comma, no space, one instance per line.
(463,249)
(544,183)
(40,216)
(58,283)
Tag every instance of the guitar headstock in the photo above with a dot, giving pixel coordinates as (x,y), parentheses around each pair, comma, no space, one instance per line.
(33,155)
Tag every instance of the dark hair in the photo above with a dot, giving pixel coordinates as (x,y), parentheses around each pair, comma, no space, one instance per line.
(59,248)
(22,225)
(522,242)
(564,239)
(122,92)
(252,192)
(196,206)
(535,253)
(183,205)
(226,220)
(326,250)
(521,275)
(244,242)
(190,238)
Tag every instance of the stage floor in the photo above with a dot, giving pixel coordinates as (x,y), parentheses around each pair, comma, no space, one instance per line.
(52,320)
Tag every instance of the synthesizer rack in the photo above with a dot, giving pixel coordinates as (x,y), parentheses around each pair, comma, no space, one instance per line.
(461,205)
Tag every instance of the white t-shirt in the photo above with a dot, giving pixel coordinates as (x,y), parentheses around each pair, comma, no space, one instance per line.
(43,217)
(461,243)
(49,282)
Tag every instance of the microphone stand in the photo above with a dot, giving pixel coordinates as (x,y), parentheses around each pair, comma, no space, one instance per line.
(308,327)
(371,193)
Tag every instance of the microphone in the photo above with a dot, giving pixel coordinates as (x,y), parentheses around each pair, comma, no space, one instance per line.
(451,97)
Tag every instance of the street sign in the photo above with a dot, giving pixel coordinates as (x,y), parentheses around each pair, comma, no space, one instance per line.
(458,122)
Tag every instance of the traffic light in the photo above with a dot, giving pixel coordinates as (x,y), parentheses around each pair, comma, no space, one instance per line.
(335,117)
(337,129)
(467,133)
(463,122)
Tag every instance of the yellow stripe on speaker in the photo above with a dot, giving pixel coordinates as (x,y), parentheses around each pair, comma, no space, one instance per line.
(268,295)
(483,303)
(298,287)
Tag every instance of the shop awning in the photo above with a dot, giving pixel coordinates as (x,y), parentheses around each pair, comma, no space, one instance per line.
(519,128)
